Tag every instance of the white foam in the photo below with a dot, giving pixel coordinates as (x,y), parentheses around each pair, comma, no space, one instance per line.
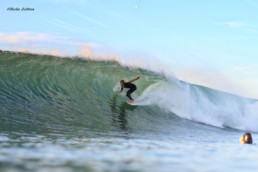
(203,105)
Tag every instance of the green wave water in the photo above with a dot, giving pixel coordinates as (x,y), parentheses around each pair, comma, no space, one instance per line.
(50,94)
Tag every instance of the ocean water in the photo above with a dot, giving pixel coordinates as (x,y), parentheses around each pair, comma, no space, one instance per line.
(63,114)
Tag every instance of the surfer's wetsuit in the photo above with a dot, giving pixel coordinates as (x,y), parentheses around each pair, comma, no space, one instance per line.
(131,90)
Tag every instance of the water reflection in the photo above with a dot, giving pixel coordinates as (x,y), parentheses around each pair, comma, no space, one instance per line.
(120,113)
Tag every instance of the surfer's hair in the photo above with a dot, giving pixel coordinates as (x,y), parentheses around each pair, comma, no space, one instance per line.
(122,81)
(248,138)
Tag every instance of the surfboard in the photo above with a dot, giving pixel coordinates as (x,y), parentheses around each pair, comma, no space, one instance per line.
(131,103)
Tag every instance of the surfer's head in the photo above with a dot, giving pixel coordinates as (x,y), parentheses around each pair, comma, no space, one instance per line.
(122,82)
(246,139)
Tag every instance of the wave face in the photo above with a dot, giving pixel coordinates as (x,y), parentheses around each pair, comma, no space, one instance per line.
(46,94)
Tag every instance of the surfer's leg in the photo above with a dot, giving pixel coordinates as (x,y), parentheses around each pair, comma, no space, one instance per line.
(129,92)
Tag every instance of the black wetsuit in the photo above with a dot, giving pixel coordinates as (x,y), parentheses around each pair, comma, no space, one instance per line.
(131,90)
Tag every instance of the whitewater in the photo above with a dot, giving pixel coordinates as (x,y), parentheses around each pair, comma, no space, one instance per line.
(64,114)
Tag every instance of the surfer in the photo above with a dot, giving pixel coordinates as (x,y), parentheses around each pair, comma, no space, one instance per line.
(131,87)
(246,138)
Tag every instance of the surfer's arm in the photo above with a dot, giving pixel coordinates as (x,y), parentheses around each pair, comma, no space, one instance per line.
(135,79)
(121,89)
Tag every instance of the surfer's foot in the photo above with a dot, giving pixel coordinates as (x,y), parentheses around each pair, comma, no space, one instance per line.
(131,101)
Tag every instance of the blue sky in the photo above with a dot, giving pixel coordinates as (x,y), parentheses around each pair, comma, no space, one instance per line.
(212,43)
